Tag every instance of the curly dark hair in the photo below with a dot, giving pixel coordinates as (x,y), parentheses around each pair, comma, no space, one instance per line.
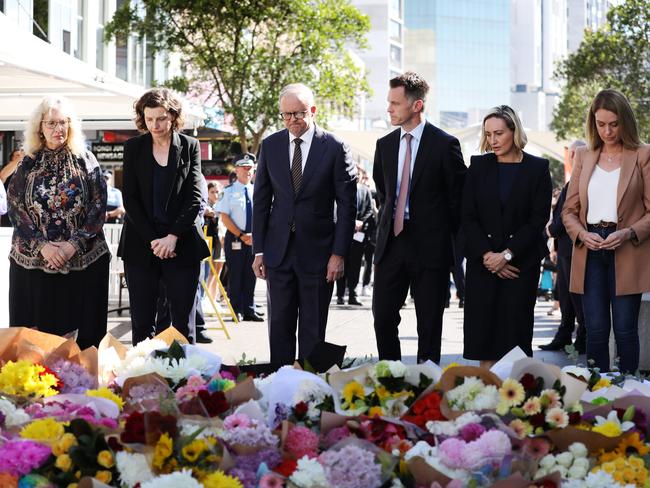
(159,97)
(415,87)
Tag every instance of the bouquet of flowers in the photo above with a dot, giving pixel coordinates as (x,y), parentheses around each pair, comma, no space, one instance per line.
(468,388)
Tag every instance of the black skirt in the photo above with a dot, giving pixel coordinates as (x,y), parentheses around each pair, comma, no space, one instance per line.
(60,303)
(499,314)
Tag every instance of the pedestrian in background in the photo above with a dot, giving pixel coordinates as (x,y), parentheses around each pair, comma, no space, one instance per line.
(58,274)
(114,203)
(6,174)
(419,173)
(607,216)
(299,246)
(236,211)
(506,204)
(570,303)
(162,238)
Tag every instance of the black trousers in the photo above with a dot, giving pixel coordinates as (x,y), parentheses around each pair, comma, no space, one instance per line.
(570,304)
(241,277)
(368,254)
(60,303)
(179,281)
(393,275)
(352,270)
(296,299)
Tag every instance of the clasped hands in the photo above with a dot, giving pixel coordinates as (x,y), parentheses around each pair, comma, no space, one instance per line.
(164,247)
(56,254)
(496,263)
(595,242)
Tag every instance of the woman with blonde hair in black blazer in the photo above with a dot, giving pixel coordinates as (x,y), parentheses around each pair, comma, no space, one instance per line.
(506,204)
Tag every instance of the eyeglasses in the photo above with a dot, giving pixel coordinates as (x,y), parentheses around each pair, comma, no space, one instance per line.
(53,124)
(297,115)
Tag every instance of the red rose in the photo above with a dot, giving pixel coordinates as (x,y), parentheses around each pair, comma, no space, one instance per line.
(286,467)
(537,420)
(528,382)
(300,410)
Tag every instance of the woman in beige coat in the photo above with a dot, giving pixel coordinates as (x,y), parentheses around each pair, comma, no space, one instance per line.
(607,215)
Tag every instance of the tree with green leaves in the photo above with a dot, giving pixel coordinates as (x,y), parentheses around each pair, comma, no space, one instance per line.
(245,51)
(616,56)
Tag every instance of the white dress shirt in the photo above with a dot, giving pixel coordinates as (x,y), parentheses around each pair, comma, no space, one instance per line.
(415,144)
(601,195)
(306,139)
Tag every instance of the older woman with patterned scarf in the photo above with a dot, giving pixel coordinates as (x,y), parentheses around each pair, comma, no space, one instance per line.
(58,278)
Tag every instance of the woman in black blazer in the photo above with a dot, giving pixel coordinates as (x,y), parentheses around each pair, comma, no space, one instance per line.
(506,204)
(161,238)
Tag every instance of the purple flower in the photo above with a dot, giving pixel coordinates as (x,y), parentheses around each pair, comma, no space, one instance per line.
(252,434)
(471,432)
(247,478)
(251,462)
(351,467)
(451,452)
(74,376)
(21,457)
(335,435)
(282,413)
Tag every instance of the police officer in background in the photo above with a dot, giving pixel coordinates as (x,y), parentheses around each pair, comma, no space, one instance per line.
(114,204)
(236,210)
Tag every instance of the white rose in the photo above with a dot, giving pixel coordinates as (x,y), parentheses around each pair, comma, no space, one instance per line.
(565,459)
(581,463)
(547,461)
(576,472)
(562,470)
(578,449)
(541,472)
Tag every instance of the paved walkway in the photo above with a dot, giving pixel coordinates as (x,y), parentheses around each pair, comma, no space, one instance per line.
(353,326)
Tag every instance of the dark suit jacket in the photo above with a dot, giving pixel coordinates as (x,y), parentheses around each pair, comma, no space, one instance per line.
(329,176)
(434,203)
(183,200)
(564,244)
(519,225)
(364,209)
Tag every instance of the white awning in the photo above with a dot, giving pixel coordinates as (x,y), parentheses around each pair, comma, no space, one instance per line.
(31,69)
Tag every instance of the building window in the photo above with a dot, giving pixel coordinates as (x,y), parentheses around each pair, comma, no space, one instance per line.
(78,52)
(41,19)
(396,56)
(395,31)
(99,34)
(121,57)
(149,66)
(396,8)
(66,41)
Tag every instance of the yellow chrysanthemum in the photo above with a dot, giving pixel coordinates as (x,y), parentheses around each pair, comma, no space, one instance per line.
(63,462)
(193,450)
(375,411)
(382,393)
(63,445)
(164,448)
(104,476)
(219,479)
(45,430)
(23,378)
(601,383)
(633,443)
(512,392)
(107,394)
(105,459)
(353,390)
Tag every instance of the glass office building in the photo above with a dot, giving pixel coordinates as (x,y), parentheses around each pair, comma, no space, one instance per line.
(465,46)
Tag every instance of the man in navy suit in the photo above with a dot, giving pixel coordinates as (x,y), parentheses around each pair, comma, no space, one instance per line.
(419,174)
(299,241)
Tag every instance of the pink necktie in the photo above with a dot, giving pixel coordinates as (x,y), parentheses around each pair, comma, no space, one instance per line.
(398,224)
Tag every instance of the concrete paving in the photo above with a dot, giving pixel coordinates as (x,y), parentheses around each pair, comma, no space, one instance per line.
(353,326)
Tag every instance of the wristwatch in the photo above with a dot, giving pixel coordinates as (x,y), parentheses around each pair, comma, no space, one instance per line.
(507,255)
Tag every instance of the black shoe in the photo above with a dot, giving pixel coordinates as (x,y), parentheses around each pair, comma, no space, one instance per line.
(202,338)
(461,303)
(354,301)
(581,346)
(259,311)
(555,345)
(340,301)
(253,317)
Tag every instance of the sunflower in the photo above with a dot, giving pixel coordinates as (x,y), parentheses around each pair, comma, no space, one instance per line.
(512,392)
(353,390)
(193,450)
(632,444)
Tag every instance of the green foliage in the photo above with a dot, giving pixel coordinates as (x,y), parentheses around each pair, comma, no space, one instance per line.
(244,51)
(245,361)
(616,56)
(556,168)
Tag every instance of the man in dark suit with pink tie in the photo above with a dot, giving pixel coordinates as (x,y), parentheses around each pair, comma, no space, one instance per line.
(419,173)
(299,241)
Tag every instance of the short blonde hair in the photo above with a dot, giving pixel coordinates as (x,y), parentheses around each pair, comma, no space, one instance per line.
(34,139)
(615,102)
(512,121)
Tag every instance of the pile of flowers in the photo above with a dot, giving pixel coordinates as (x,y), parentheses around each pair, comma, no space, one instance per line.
(167,414)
